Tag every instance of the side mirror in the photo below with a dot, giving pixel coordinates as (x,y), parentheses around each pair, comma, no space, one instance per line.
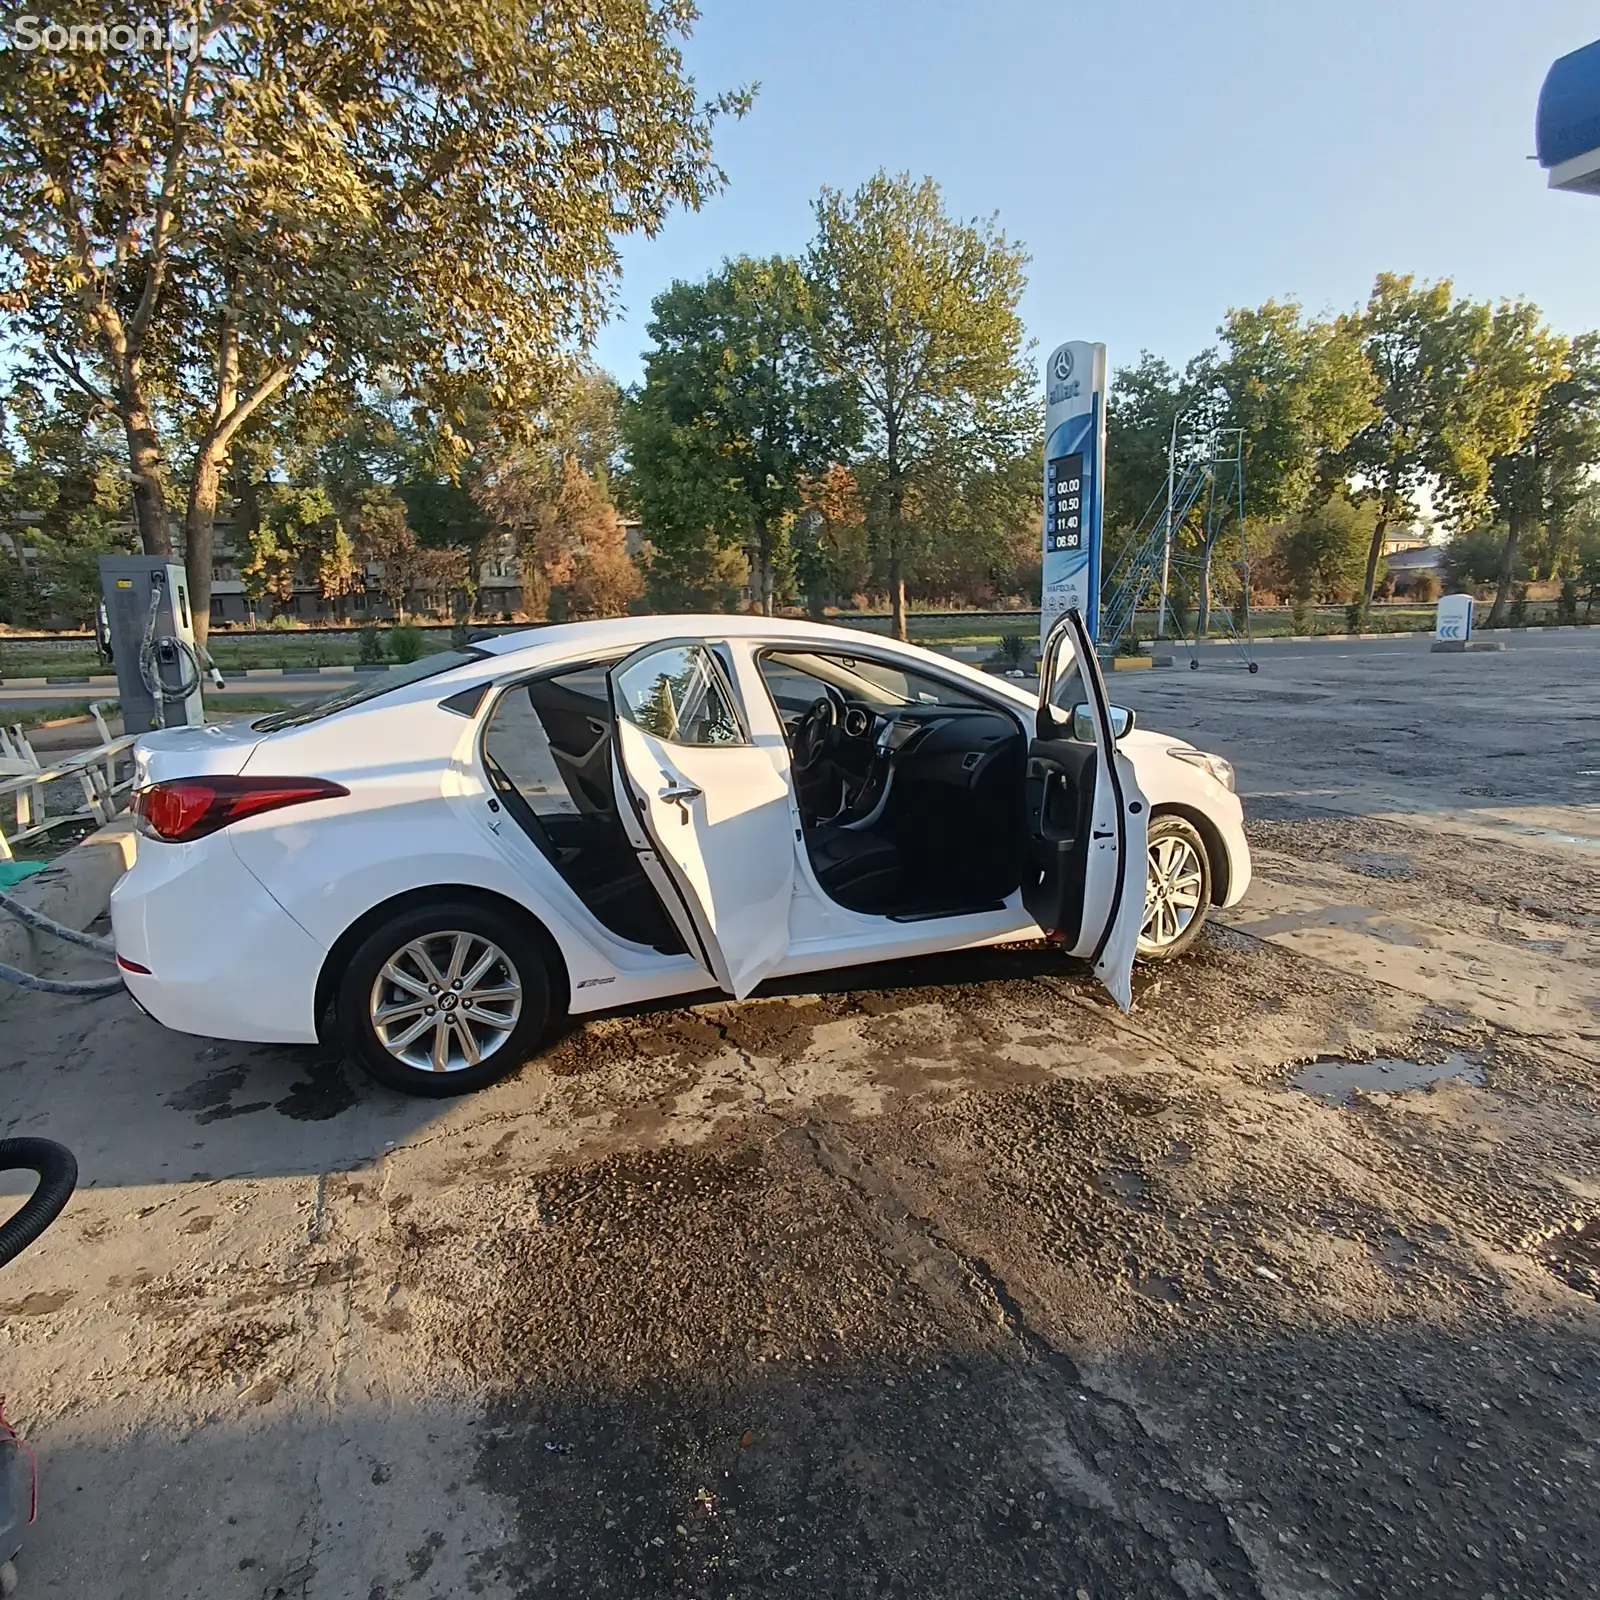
(1122,722)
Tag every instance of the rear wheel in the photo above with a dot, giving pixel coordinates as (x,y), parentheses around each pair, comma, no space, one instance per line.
(1177,889)
(445,998)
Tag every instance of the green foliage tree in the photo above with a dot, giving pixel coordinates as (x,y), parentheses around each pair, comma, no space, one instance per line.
(920,318)
(1458,382)
(734,416)
(63,504)
(1144,402)
(184,238)
(1323,549)
(1472,556)
(1540,483)
(1298,389)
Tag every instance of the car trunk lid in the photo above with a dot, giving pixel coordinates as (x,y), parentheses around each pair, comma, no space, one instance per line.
(193,752)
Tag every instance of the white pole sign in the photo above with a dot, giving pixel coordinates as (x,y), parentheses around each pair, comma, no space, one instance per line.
(1454,618)
(1074,478)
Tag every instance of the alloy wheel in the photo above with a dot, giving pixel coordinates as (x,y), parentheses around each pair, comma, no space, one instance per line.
(1173,890)
(446,1001)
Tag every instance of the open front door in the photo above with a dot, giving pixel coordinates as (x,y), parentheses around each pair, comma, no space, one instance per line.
(1087,816)
(705,809)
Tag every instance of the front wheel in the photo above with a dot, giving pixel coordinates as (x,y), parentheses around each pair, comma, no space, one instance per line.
(444,999)
(1177,889)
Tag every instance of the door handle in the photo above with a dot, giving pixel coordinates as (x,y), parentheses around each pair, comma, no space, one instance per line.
(679,791)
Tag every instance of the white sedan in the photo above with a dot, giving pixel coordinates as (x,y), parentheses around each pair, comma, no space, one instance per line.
(444,860)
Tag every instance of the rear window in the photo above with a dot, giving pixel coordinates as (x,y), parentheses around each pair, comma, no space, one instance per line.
(378,683)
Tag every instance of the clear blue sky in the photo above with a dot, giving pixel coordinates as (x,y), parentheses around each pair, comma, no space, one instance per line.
(1162,160)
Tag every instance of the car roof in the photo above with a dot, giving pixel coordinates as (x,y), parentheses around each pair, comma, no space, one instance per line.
(608,633)
(567,641)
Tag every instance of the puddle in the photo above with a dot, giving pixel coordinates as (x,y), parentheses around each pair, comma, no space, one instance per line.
(1338,1081)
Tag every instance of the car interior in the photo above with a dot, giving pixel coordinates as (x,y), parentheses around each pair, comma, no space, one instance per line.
(910,788)
(547,750)
(918,799)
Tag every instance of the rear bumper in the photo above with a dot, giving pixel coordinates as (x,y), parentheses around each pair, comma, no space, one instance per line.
(225,959)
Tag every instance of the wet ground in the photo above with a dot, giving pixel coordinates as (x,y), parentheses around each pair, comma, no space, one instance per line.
(943,1280)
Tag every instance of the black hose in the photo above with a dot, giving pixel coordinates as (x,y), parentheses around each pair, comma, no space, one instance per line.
(58,1177)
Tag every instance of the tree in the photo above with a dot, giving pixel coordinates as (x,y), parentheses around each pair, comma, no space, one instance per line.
(382,536)
(63,504)
(1144,402)
(1472,556)
(734,415)
(578,551)
(1457,383)
(1298,390)
(1323,549)
(1547,475)
(184,234)
(830,548)
(919,316)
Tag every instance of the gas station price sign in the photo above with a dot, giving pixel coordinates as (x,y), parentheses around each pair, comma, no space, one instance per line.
(1063,507)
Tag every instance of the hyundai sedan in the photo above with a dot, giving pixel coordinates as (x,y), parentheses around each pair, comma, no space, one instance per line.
(445,860)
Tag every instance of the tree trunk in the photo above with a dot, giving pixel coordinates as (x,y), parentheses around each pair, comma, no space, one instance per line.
(198,526)
(1374,552)
(1508,565)
(146,468)
(1203,612)
(897,598)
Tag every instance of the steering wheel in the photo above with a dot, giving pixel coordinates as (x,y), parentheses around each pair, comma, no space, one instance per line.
(811,736)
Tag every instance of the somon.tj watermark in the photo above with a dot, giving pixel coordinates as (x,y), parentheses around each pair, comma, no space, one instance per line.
(32,33)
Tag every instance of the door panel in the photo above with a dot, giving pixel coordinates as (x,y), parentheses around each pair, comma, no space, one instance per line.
(1086,818)
(705,809)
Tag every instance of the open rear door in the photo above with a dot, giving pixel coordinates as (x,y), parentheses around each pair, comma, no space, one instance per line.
(1087,817)
(706,810)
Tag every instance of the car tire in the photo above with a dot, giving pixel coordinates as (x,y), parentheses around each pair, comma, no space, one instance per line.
(499,1013)
(1178,858)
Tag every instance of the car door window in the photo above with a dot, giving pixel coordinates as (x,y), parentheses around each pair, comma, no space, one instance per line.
(678,694)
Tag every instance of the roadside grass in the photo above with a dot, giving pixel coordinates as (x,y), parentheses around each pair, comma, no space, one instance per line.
(239,652)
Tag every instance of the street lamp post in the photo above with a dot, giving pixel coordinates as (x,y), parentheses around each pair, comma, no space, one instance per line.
(1166,546)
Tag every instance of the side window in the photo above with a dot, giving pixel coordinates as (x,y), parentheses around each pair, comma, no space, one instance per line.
(677,694)
(548,740)
(1066,683)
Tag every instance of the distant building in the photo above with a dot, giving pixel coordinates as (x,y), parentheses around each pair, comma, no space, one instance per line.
(1404,567)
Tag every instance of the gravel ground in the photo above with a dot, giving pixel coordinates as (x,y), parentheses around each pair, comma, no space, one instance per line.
(943,1280)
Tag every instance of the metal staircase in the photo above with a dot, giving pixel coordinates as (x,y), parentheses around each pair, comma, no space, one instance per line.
(1207,498)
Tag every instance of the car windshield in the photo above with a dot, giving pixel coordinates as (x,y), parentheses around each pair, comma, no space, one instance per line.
(396,677)
(873,682)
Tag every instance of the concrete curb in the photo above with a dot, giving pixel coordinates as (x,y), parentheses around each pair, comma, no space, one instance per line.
(72,890)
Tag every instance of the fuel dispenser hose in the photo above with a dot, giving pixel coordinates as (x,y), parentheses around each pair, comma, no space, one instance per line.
(84,988)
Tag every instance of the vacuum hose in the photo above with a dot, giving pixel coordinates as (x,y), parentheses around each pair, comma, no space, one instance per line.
(84,987)
(58,1177)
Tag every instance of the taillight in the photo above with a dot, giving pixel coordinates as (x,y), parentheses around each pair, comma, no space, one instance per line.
(190,808)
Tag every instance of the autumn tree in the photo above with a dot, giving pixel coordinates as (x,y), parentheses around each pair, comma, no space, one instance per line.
(919,317)
(186,234)
(576,547)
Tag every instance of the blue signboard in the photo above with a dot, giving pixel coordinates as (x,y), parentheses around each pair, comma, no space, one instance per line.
(1074,478)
